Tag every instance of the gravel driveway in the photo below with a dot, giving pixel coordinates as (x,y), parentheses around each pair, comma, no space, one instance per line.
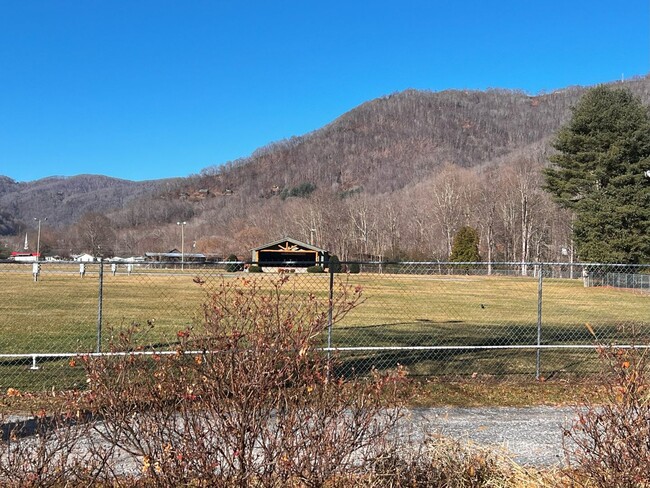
(531,436)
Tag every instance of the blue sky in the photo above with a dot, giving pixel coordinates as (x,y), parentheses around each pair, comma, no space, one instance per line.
(154,89)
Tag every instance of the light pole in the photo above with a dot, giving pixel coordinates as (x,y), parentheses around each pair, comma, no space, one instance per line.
(38,239)
(182,224)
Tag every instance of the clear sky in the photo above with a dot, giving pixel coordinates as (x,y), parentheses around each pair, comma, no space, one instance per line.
(154,89)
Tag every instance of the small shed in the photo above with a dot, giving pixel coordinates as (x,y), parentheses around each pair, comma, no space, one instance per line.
(289,252)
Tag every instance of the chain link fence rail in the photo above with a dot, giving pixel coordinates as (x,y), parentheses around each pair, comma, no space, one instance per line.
(434,318)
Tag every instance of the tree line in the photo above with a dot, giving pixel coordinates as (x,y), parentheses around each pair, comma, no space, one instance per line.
(399,177)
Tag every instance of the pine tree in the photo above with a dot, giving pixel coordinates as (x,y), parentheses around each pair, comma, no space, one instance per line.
(233,264)
(334,264)
(4,251)
(598,172)
(465,246)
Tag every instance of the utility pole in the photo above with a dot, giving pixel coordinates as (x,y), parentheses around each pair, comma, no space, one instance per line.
(182,224)
(38,239)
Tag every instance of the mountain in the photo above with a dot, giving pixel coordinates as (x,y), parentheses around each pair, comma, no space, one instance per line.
(372,182)
(63,200)
(391,142)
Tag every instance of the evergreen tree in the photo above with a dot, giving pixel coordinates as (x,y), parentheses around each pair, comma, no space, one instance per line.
(598,172)
(233,264)
(5,252)
(465,246)
(334,264)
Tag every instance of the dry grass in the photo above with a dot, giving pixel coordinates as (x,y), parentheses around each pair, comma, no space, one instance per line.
(496,392)
(59,314)
(63,305)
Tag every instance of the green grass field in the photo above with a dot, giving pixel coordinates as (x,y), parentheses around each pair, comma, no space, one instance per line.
(59,314)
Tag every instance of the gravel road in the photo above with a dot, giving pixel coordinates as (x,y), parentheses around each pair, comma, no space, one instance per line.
(532,436)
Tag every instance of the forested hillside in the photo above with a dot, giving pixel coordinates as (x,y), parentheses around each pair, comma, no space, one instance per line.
(65,200)
(393,178)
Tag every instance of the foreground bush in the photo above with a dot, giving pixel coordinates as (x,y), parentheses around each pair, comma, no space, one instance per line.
(248,399)
(609,443)
(51,447)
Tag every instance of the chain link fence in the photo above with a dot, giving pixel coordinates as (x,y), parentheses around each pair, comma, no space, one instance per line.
(433,318)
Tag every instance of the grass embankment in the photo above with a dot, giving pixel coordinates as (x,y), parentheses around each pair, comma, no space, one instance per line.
(416,393)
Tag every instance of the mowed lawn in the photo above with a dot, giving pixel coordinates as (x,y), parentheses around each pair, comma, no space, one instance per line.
(59,313)
(463,310)
(451,311)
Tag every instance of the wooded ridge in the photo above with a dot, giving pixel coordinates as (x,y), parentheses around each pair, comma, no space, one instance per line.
(396,177)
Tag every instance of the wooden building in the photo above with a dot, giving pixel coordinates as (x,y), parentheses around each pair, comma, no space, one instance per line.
(289,253)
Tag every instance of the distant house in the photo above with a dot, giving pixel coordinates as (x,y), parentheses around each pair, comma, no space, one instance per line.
(290,253)
(53,259)
(83,258)
(24,257)
(174,256)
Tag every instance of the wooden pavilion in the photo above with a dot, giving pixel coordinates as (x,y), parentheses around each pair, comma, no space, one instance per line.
(289,253)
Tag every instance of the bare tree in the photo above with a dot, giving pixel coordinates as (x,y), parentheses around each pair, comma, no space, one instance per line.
(96,235)
(486,212)
(447,198)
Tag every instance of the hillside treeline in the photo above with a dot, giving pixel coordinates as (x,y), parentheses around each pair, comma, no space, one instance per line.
(395,178)
(515,219)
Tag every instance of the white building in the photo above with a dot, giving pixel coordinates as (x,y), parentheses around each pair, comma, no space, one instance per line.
(83,258)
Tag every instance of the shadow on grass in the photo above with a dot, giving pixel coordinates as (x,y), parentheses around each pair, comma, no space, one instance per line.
(419,322)
(407,334)
(51,374)
(473,354)
(469,363)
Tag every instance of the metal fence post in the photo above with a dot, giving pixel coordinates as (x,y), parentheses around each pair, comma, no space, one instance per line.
(329,315)
(540,279)
(100,301)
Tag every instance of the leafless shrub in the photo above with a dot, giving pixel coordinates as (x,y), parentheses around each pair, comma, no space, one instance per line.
(609,443)
(248,399)
(49,448)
